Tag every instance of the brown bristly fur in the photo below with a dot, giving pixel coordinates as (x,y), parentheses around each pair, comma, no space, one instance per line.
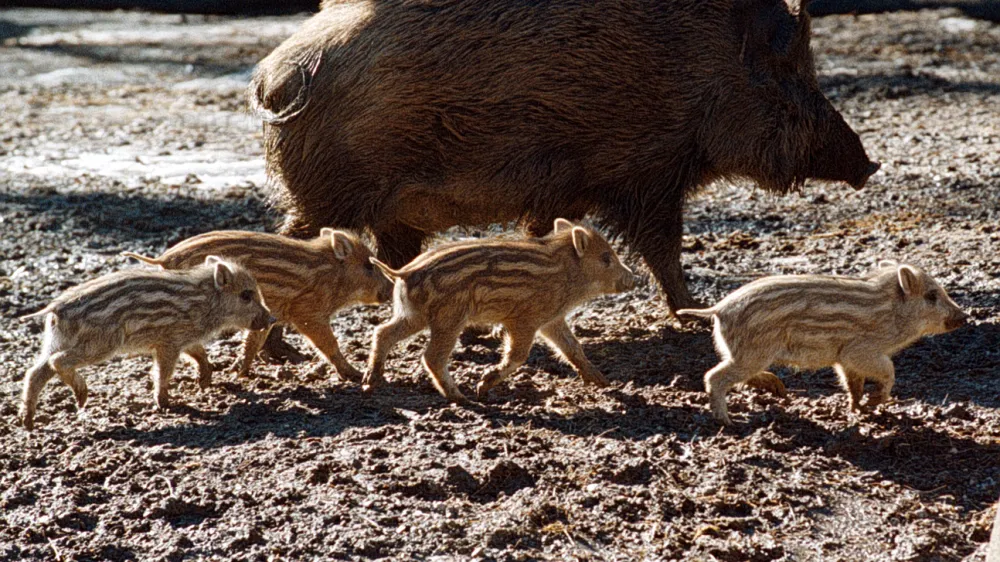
(525,285)
(854,325)
(304,282)
(165,313)
(406,118)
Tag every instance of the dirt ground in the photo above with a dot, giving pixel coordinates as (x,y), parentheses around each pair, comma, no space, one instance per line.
(126,132)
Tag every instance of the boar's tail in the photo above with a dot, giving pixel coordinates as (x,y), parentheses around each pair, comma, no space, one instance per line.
(256,92)
(699,312)
(389,272)
(142,258)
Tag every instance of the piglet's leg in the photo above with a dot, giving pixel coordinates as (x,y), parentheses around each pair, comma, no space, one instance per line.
(251,347)
(166,361)
(385,337)
(318,331)
(853,383)
(435,360)
(721,379)
(559,335)
(517,346)
(34,380)
(858,367)
(200,356)
(65,364)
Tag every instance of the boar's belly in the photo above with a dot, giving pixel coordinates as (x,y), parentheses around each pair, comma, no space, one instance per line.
(430,209)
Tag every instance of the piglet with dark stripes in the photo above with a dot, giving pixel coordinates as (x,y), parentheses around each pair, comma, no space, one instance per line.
(165,313)
(525,285)
(304,282)
(854,325)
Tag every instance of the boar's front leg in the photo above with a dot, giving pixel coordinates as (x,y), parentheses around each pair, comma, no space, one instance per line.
(517,347)
(659,243)
(562,339)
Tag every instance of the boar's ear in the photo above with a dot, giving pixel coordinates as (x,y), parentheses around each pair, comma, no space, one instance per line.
(223,274)
(342,244)
(910,281)
(561,225)
(580,240)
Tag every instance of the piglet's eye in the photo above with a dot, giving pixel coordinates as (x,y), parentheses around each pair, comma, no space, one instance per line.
(369,266)
(931,297)
(606,258)
(246,296)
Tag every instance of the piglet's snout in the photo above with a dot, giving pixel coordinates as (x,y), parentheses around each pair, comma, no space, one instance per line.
(956,321)
(262,321)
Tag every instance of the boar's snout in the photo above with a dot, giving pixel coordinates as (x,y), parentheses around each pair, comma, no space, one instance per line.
(840,156)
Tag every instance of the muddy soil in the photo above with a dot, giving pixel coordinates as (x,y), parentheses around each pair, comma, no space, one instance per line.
(127,132)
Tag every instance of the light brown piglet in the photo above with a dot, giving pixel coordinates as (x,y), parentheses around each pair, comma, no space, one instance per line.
(304,282)
(854,325)
(525,285)
(165,313)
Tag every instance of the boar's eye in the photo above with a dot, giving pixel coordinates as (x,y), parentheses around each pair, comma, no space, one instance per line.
(931,297)
(606,258)
(246,296)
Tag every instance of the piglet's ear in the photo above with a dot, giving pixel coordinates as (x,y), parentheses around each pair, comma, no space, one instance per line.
(212,260)
(581,238)
(561,225)
(342,244)
(885,264)
(909,280)
(223,274)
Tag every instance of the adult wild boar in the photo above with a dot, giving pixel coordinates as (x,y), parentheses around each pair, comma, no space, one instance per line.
(407,117)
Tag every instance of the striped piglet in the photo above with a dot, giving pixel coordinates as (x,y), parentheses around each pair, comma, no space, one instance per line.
(165,313)
(525,285)
(304,282)
(854,325)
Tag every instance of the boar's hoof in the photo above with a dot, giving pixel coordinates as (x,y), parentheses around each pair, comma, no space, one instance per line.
(371,381)
(28,422)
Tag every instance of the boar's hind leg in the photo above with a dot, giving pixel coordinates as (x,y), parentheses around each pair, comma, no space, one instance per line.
(435,360)
(166,361)
(318,331)
(384,339)
(200,356)
(660,246)
(561,337)
(517,347)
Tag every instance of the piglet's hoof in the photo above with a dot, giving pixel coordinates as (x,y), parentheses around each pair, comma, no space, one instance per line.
(595,378)
(768,382)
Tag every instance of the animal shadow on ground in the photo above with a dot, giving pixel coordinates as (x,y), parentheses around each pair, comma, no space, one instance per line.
(899,448)
(302,411)
(117,219)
